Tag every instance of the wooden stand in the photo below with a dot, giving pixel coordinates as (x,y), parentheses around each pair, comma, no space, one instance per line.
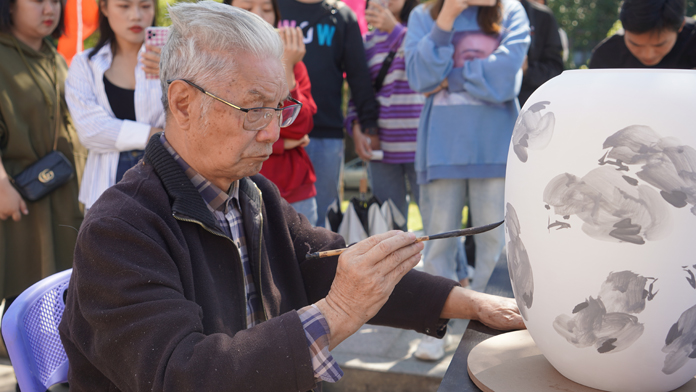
(511,362)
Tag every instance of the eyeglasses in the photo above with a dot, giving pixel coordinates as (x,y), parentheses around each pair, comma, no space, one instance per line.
(255,119)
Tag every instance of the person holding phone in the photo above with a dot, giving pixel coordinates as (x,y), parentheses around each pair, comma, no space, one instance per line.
(115,107)
(37,238)
(335,54)
(399,106)
(289,167)
(467,55)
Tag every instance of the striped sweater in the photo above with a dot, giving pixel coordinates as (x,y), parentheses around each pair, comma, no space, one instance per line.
(400,107)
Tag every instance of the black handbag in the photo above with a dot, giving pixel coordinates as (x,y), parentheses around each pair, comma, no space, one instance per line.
(45,175)
(53,169)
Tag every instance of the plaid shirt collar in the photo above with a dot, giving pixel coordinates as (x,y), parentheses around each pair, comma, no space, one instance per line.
(215,198)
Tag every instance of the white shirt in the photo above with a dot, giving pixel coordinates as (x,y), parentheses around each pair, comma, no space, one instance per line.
(99,131)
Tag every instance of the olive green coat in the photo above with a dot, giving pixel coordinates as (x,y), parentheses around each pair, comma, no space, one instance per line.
(42,242)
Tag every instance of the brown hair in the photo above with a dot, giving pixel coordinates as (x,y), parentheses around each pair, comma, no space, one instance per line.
(488,18)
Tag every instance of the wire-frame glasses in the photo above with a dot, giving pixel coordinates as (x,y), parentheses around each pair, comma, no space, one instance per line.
(256,119)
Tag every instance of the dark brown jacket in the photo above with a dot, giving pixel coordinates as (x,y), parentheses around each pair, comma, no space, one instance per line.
(156,300)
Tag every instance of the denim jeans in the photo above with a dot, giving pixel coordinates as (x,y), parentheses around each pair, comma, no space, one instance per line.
(126,160)
(308,208)
(327,157)
(388,181)
(441,204)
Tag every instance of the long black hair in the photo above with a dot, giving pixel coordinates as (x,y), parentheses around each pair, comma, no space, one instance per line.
(106,33)
(409,5)
(6,18)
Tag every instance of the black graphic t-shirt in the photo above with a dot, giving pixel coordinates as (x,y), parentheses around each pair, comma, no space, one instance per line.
(334,47)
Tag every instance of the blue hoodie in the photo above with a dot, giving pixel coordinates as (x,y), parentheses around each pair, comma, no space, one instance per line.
(465,130)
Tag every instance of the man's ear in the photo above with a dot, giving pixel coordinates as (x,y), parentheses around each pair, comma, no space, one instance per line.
(179,100)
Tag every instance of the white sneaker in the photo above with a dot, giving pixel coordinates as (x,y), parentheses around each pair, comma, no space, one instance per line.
(430,349)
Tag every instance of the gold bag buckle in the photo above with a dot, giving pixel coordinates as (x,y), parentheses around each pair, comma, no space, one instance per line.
(46,175)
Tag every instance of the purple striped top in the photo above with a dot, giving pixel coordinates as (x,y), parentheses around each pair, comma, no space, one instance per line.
(400,107)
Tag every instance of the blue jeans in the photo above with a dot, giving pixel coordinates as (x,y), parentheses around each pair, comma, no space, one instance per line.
(441,204)
(327,157)
(388,181)
(126,160)
(308,208)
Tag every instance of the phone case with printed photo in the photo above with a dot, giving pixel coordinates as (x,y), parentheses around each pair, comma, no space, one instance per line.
(156,36)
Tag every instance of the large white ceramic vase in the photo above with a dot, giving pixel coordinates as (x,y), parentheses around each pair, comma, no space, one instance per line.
(601,226)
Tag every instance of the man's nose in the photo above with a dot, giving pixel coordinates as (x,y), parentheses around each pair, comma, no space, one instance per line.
(270,133)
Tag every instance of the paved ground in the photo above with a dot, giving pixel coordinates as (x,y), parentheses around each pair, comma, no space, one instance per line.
(7,378)
(380,359)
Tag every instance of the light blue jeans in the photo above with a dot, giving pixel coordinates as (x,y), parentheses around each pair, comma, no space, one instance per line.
(388,181)
(441,204)
(308,208)
(327,157)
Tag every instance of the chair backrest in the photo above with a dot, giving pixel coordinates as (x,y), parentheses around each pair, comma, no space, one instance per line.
(30,330)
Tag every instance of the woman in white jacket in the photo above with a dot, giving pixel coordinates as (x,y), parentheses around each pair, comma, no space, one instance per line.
(114,105)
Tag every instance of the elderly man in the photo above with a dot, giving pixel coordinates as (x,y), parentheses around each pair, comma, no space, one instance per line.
(190,274)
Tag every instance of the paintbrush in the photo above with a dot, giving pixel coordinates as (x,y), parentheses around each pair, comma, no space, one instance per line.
(447,234)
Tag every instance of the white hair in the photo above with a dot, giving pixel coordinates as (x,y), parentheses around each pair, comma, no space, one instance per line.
(205,38)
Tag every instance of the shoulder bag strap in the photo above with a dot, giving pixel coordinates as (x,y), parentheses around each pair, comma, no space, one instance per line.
(57,110)
(379,81)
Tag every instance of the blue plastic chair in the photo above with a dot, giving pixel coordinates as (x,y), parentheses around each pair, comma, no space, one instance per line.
(30,330)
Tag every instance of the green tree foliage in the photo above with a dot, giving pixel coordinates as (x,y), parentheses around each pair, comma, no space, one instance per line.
(587,23)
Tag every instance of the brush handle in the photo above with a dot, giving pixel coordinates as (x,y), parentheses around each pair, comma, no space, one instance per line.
(448,234)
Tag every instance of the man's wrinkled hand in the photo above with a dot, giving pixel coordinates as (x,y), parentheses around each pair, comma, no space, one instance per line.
(499,312)
(365,278)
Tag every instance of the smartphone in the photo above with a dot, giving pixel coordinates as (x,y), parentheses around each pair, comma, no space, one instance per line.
(156,36)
